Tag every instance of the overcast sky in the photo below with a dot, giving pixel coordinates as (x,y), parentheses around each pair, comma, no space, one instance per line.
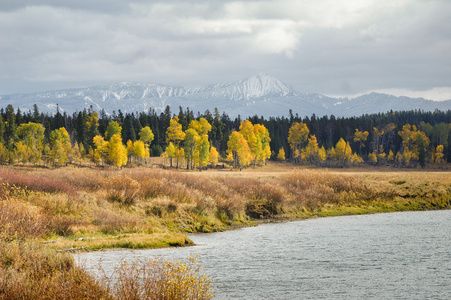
(332,47)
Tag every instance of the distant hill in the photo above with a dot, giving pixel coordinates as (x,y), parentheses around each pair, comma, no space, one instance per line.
(260,94)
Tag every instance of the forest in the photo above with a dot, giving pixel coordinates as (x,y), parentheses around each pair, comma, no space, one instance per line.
(402,139)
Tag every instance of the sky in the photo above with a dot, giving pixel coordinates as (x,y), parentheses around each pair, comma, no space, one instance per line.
(331,47)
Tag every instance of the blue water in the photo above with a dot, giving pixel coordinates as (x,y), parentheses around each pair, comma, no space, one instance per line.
(384,256)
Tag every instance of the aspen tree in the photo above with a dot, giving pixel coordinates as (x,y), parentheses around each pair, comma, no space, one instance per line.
(297,135)
(60,146)
(360,137)
(116,151)
(175,135)
(281,154)
(213,156)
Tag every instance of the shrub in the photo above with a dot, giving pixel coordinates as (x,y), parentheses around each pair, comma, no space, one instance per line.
(35,182)
(31,271)
(19,220)
(112,222)
(159,279)
(122,189)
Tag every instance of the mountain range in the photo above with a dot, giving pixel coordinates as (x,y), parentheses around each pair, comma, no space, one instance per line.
(260,94)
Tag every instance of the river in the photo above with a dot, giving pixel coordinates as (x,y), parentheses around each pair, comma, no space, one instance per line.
(403,255)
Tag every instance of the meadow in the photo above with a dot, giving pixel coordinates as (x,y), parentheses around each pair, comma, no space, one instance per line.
(46,213)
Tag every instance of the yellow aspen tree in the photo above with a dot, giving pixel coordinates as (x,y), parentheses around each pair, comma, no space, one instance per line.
(130,150)
(100,149)
(170,152)
(244,153)
(146,135)
(343,152)
(174,132)
(204,146)
(407,157)
(191,138)
(32,136)
(407,134)
(201,148)
(60,146)
(372,158)
(247,131)
(117,152)
(382,155)
(281,154)
(213,157)
(390,157)
(439,155)
(175,135)
(356,159)
(22,152)
(312,149)
(322,156)
(297,135)
(263,151)
(378,134)
(139,150)
(238,147)
(179,155)
(360,137)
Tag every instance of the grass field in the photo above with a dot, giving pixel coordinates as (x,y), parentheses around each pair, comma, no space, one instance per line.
(148,207)
(45,213)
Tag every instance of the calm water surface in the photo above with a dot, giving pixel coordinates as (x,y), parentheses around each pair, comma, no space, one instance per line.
(385,256)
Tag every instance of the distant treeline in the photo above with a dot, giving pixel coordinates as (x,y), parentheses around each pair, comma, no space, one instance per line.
(328,130)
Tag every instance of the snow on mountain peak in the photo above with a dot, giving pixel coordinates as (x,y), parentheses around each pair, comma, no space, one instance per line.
(259,94)
(255,86)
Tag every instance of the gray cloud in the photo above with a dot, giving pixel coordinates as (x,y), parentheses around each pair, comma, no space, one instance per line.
(325,46)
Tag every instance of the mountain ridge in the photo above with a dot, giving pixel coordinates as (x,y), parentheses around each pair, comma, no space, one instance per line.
(260,94)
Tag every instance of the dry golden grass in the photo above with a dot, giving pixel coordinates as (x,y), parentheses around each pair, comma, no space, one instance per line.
(143,204)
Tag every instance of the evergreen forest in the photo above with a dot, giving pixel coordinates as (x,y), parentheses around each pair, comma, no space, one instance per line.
(185,139)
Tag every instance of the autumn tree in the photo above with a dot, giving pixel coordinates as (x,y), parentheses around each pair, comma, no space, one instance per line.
(297,135)
(197,145)
(263,150)
(175,135)
(343,152)
(31,141)
(281,154)
(116,151)
(238,150)
(146,135)
(360,137)
(414,145)
(112,129)
(312,149)
(99,151)
(213,156)
(439,155)
(191,139)
(60,146)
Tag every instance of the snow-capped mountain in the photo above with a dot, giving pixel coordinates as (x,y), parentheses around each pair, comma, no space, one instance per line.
(260,94)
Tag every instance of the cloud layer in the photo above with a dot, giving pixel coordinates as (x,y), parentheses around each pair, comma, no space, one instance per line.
(324,46)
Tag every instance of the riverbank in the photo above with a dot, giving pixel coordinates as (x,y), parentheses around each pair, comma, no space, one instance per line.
(151,208)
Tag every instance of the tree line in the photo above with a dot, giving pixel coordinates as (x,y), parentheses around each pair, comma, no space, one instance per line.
(404,139)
